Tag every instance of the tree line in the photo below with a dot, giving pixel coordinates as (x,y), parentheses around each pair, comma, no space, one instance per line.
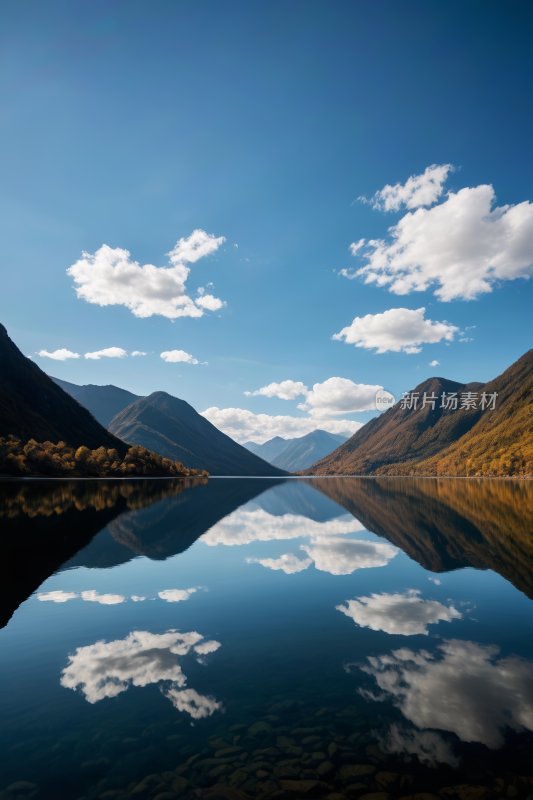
(45,459)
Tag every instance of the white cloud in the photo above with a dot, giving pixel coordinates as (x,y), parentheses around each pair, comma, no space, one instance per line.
(339,396)
(138,353)
(343,556)
(209,302)
(175,595)
(429,746)
(461,246)
(105,599)
(466,340)
(137,599)
(399,330)
(174,356)
(109,277)
(404,614)
(466,691)
(58,355)
(244,426)
(286,390)
(105,669)
(434,363)
(109,352)
(58,596)
(435,580)
(288,562)
(418,190)
(244,526)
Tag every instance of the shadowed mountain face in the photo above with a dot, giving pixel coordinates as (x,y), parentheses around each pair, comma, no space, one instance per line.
(447,524)
(269,450)
(173,428)
(32,406)
(51,526)
(426,441)
(102,401)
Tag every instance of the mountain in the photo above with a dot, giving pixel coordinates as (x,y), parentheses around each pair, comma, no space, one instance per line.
(434,441)
(102,401)
(446,525)
(33,406)
(297,454)
(174,429)
(269,450)
(301,453)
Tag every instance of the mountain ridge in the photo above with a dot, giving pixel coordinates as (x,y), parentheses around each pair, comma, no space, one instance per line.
(173,428)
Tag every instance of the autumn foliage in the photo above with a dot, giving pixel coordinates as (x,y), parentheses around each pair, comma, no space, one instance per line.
(48,460)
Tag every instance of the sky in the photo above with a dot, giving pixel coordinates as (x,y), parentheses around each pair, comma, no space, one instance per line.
(281,207)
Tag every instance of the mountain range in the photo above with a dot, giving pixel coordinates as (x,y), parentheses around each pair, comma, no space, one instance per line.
(102,401)
(174,429)
(32,406)
(171,427)
(444,441)
(297,454)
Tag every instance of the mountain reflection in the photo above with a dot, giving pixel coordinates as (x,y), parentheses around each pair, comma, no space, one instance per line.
(466,690)
(447,524)
(52,525)
(106,669)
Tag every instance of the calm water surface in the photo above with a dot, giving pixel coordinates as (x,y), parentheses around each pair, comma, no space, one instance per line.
(266,638)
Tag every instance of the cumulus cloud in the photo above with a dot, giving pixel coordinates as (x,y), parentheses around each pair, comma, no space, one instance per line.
(244,526)
(106,669)
(463,246)
(405,614)
(418,190)
(174,356)
(434,363)
(58,355)
(175,595)
(466,691)
(343,556)
(105,599)
(138,353)
(430,747)
(339,396)
(333,396)
(137,598)
(288,562)
(244,426)
(286,390)
(397,330)
(109,352)
(109,277)
(209,302)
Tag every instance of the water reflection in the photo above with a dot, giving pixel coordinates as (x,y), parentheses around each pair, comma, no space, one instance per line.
(406,614)
(466,690)
(106,669)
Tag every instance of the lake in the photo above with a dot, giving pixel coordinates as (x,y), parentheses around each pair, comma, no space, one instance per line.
(234,638)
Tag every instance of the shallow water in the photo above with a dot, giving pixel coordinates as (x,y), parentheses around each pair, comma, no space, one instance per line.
(262,637)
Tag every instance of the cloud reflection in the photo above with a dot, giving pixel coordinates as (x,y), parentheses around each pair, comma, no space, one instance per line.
(244,527)
(405,614)
(288,562)
(466,691)
(105,669)
(343,556)
(429,746)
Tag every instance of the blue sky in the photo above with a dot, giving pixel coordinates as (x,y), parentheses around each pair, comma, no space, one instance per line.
(135,124)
